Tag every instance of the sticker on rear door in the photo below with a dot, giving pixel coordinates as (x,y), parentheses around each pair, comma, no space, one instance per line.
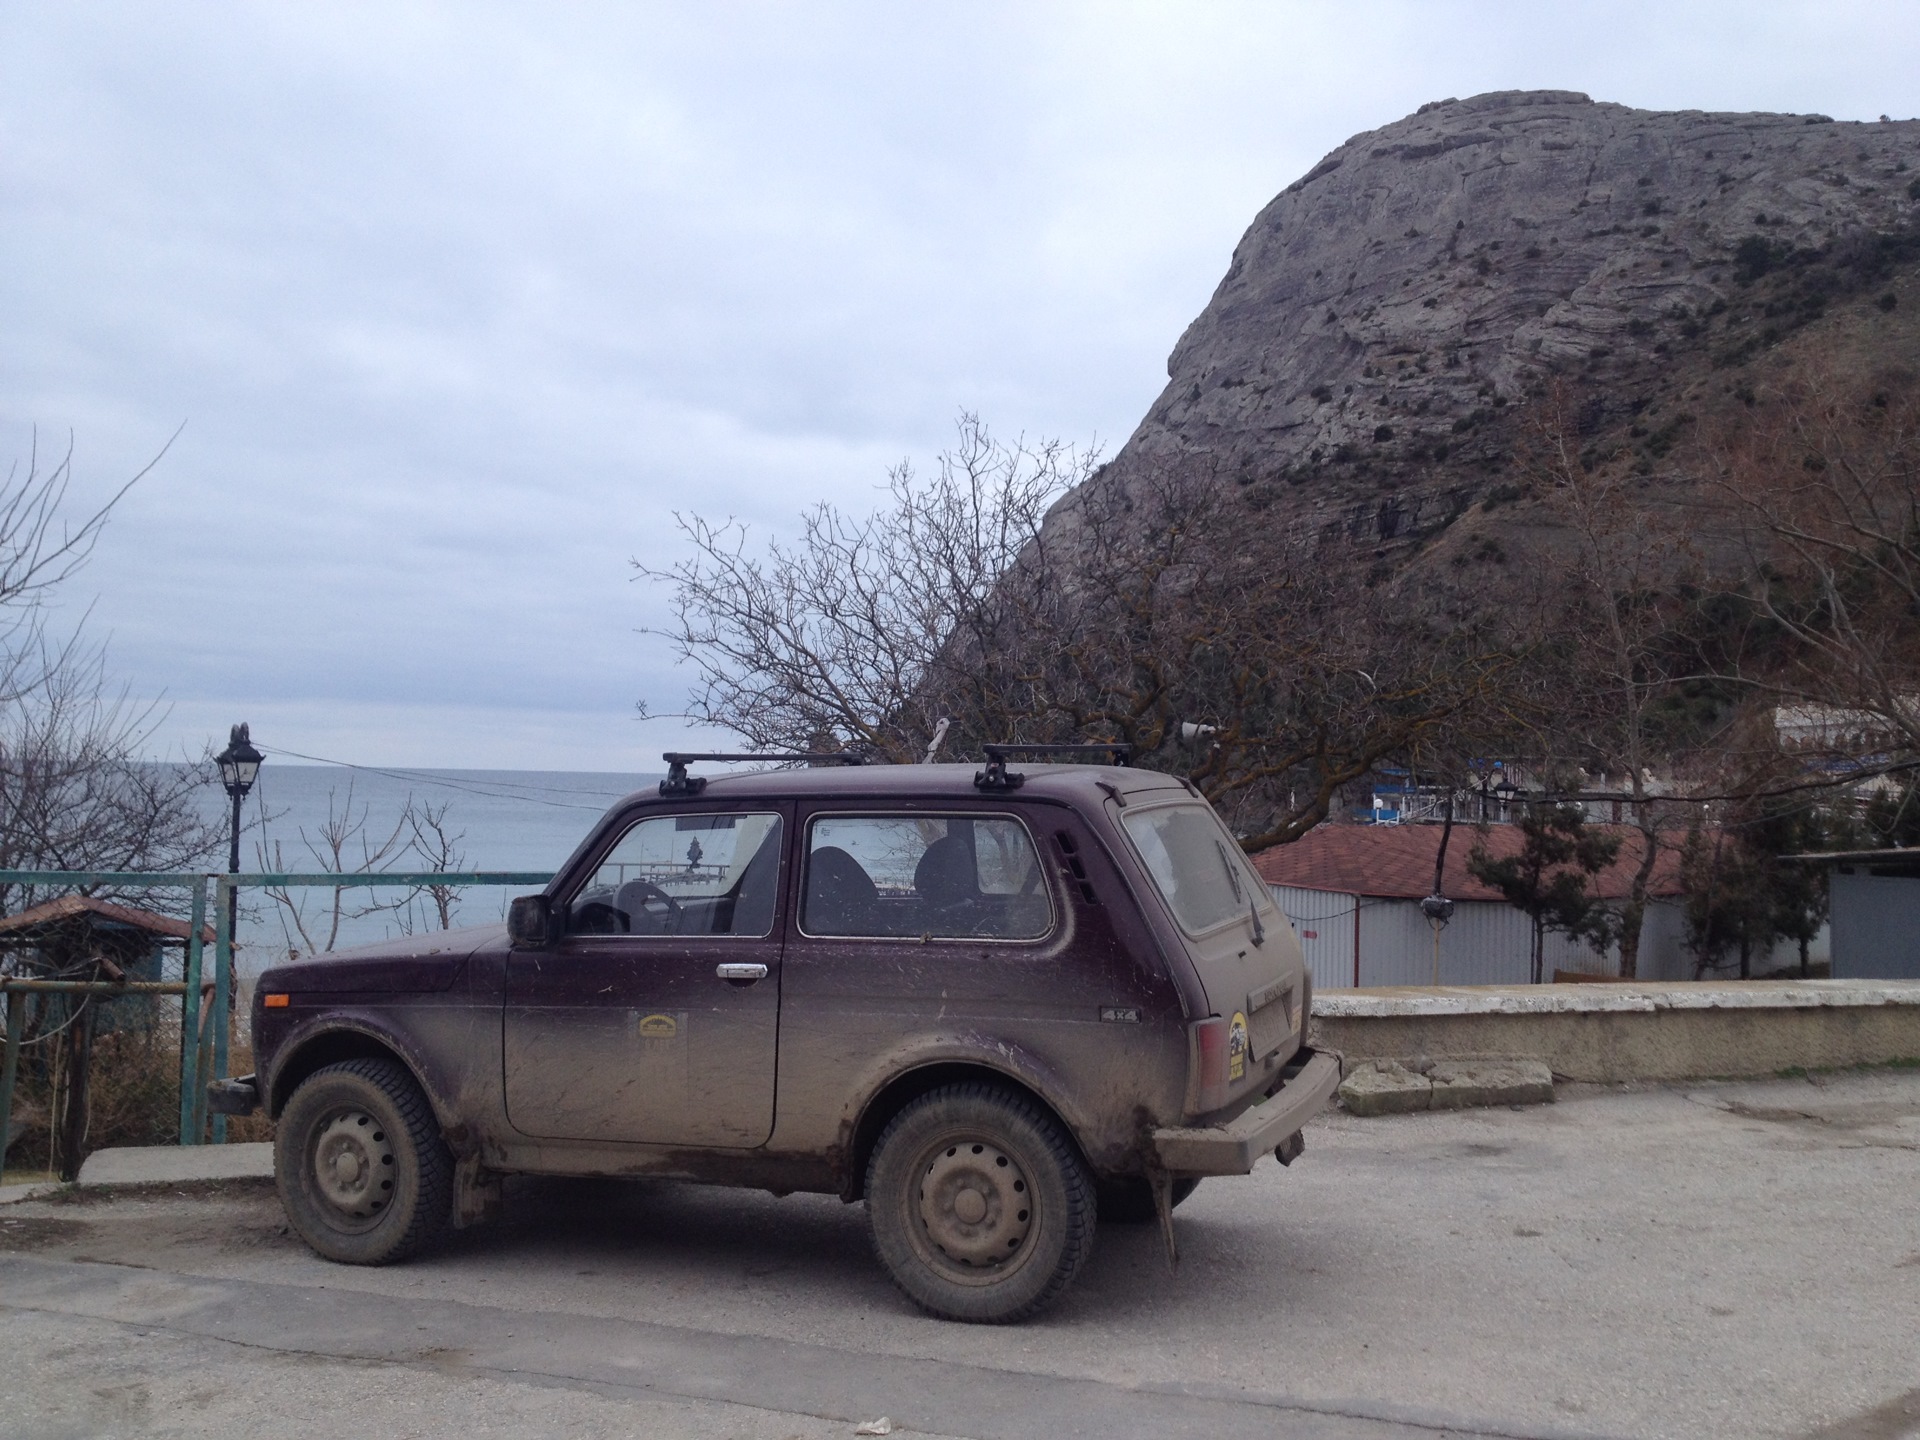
(1237,1047)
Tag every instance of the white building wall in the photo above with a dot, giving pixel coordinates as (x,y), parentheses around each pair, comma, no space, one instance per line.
(1876,927)
(1323,919)
(1486,942)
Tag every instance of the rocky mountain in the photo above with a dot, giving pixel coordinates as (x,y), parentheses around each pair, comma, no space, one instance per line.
(1364,367)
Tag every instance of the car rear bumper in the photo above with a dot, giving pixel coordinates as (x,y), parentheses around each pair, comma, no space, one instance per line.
(1232,1147)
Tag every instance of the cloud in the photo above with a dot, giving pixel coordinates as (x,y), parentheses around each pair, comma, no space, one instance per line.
(460,303)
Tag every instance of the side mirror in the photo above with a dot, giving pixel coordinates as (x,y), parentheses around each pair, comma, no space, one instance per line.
(530,923)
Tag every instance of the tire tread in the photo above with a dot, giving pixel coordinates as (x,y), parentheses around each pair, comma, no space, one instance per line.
(432,1215)
(1078,1223)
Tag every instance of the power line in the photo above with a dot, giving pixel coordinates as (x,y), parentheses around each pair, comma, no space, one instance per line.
(470,788)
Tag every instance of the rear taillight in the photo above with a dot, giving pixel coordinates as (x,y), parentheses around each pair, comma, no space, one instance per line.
(1211,1052)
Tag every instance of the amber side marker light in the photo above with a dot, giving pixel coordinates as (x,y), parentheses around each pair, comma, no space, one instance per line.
(276,1002)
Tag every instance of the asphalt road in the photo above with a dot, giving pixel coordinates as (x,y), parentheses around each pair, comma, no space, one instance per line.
(1722,1260)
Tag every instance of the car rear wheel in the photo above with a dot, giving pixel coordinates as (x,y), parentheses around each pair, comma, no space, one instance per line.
(980,1206)
(363,1173)
(1129,1201)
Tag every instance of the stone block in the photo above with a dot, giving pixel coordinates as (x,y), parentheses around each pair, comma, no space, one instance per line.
(1457,1084)
(1385,1089)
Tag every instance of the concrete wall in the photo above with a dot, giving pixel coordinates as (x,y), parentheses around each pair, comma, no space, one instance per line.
(1629,1031)
(1876,926)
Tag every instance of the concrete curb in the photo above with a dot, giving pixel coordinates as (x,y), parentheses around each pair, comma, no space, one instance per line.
(14,1194)
(164,1164)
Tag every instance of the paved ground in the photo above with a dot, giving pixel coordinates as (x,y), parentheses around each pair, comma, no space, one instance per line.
(1731,1260)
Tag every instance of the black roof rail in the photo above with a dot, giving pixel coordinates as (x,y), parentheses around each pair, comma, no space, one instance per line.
(997,777)
(678,782)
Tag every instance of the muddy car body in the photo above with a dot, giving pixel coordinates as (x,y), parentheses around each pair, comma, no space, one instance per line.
(812,980)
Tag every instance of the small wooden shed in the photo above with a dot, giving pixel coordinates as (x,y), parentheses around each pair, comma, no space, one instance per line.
(80,938)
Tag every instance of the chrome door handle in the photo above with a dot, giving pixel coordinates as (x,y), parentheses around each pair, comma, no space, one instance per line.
(731,970)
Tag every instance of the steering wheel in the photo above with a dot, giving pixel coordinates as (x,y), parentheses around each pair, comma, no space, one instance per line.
(643,898)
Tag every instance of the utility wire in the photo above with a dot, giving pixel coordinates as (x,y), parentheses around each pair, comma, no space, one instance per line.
(467,787)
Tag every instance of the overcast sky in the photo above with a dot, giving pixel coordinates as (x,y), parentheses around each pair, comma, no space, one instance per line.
(457,303)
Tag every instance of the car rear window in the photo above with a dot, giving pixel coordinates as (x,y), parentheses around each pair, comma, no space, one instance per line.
(947,877)
(1198,868)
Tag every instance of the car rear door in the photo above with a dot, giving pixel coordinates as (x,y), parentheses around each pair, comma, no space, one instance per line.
(654,1019)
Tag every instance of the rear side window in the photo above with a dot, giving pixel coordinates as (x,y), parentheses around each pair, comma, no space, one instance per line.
(1195,864)
(947,877)
(685,875)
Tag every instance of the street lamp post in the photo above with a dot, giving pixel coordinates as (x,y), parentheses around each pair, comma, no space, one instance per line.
(239,767)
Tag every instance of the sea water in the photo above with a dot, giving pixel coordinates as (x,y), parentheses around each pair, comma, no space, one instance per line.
(528,820)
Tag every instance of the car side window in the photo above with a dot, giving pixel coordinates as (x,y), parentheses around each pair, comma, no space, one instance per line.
(946,877)
(685,875)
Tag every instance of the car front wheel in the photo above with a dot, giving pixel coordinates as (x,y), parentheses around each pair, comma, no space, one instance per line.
(363,1172)
(980,1206)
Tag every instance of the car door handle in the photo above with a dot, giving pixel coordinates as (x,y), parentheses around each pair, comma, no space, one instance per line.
(733,970)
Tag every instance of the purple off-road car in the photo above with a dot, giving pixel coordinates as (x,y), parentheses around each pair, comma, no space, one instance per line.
(996,1004)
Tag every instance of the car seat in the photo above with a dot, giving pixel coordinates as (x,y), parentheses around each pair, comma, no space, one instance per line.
(841,897)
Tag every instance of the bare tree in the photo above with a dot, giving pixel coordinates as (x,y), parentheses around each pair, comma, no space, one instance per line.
(348,842)
(41,548)
(1006,594)
(1825,474)
(1632,565)
(438,848)
(76,792)
(849,629)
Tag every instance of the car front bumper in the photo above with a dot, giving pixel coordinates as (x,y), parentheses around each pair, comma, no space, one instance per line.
(238,1096)
(1232,1147)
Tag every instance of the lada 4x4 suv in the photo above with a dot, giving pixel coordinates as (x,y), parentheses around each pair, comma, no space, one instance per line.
(997,1004)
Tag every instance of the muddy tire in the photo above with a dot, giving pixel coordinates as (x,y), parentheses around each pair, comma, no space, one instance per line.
(979,1204)
(1129,1201)
(363,1173)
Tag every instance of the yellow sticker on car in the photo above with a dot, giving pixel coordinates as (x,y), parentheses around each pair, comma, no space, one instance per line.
(659,1027)
(1237,1047)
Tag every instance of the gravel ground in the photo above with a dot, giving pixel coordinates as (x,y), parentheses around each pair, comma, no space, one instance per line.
(1716,1260)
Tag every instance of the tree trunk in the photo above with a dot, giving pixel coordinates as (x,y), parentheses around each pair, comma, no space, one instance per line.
(1539,949)
(73,1123)
(1635,912)
(1803,958)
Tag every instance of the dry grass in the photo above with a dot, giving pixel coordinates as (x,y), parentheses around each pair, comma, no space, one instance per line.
(133,1094)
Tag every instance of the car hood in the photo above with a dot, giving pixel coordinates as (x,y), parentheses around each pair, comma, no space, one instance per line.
(412,963)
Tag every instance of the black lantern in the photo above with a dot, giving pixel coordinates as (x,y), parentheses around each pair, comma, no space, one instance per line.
(239,766)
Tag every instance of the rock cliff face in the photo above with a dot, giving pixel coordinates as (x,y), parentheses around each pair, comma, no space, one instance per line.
(1385,319)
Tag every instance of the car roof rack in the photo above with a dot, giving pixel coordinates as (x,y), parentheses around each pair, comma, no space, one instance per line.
(678,782)
(997,777)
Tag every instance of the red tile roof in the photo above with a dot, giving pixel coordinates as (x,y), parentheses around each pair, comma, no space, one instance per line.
(67,906)
(1396,861)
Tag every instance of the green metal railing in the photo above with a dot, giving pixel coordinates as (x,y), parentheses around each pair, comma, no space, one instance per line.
(204,1028)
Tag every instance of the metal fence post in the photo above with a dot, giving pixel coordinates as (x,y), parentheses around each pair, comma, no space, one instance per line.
(222,993)
(190,1020)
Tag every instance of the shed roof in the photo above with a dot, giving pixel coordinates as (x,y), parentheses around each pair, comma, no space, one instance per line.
(68,907)
(1396,861)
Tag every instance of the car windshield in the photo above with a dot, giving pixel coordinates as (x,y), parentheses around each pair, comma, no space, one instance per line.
(1195,864)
